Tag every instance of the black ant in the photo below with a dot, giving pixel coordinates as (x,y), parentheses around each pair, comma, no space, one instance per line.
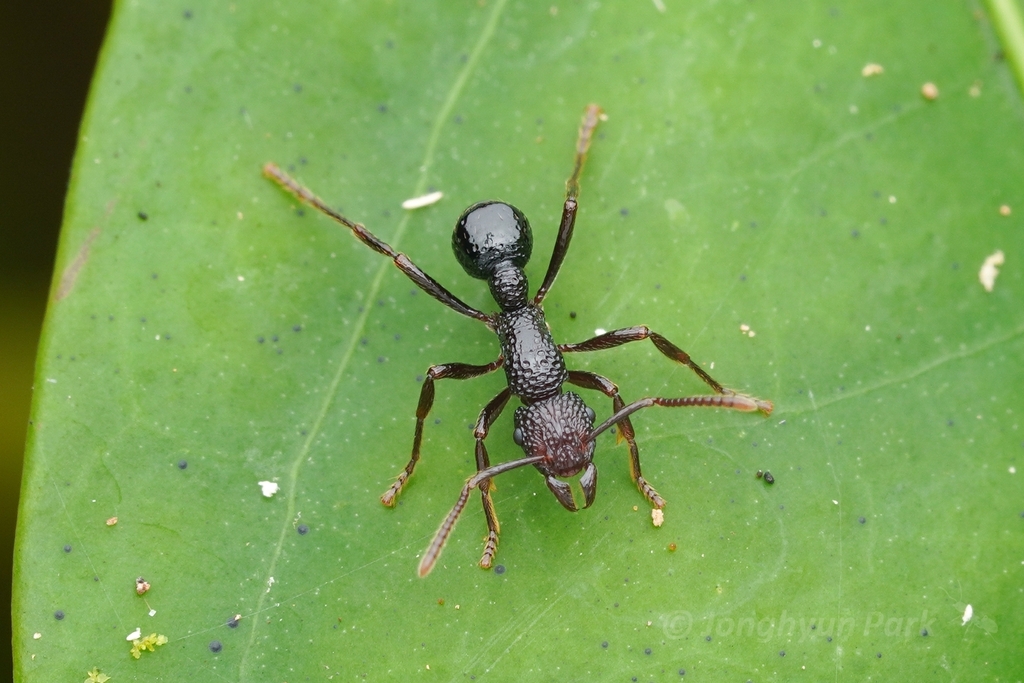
(555,428)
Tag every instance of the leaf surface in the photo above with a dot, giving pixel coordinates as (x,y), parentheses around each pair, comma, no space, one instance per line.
(808,234)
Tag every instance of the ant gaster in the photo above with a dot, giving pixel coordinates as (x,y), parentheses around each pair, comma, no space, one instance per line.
(555,428)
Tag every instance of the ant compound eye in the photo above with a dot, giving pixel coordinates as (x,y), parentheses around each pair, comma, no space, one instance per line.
(517,436)
(490,234)
(590,414)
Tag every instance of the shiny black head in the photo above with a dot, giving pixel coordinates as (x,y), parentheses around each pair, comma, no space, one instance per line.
(491,236)
(559,429)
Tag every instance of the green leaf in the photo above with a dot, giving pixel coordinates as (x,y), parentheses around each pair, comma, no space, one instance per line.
(206,334)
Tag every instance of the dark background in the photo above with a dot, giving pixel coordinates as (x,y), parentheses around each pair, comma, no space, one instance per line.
(48,49)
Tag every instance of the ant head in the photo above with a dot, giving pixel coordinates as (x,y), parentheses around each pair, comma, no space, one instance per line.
(559,430)
(489,236)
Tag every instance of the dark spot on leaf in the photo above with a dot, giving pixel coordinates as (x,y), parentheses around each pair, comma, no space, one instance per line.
(182,464)
(233,622)
(647,651)
(862,520)
(302,529)
(604,644)
(260,340)
(215,646)
(297,328)
(707,638)
(143,216)
(499,569)
(67,548)
(59,615)
(924,632)
(782,653)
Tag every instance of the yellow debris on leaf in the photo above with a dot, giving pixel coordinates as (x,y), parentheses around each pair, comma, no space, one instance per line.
(96,677)
(150,643)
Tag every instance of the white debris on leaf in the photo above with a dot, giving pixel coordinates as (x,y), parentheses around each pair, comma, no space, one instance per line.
(269,488)
(134,635)
(968,615)
(871,70)
(657,517)
(990,269)
(422,200)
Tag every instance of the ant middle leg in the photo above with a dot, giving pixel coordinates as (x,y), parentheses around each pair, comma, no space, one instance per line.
(487,417)
(435,372)
(590,380)
(626,335)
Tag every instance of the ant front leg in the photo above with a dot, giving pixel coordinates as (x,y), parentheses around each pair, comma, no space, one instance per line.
(487,417)
(435,372)
(590,380)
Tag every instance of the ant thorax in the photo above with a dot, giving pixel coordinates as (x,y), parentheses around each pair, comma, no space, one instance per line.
(534,367)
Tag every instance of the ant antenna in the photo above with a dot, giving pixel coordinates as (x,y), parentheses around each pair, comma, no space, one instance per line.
(435,547)
(746,404)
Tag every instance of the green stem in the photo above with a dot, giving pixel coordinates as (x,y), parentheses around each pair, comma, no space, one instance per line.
(1009,22)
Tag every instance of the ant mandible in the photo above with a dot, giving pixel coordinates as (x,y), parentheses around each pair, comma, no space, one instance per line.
(555,428)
